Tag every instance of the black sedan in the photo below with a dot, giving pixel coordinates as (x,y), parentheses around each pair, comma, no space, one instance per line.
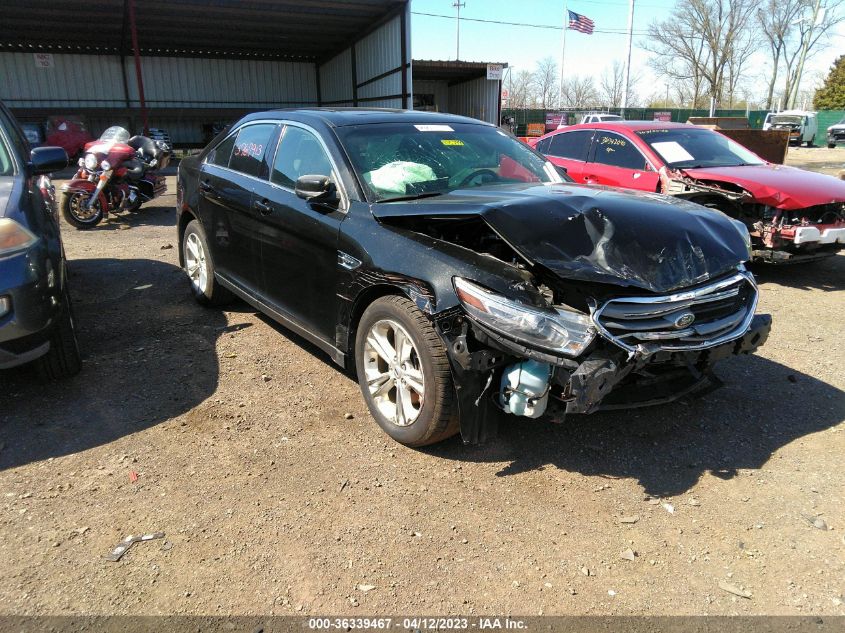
(461,274)
(36,320)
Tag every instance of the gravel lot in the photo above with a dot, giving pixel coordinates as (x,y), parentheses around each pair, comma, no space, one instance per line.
(273,501)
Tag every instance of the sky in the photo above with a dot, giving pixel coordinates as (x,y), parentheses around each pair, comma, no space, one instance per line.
(521,47)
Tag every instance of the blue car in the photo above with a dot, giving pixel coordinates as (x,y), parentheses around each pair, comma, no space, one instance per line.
(36,318)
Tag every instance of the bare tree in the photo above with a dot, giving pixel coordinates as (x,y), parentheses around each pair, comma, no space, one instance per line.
(521,90)
(804,29)
(746,45)
(545,82)
(699,38)
(579,92)
(611,86)
(776,18)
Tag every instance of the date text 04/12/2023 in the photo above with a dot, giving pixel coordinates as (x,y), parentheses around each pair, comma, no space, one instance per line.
(417,623)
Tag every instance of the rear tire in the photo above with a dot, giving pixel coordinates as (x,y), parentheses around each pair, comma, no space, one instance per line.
(831,146)
(62,360)
(812,142)
(200,268)
(404,373)
(75,215)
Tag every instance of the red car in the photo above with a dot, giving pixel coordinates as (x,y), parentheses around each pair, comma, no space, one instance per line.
(791,214)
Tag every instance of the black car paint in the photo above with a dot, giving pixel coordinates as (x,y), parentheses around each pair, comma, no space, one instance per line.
(597,234)
(315,268)
(34,279)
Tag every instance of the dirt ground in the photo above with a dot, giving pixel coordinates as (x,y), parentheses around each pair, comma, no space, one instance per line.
(272,501)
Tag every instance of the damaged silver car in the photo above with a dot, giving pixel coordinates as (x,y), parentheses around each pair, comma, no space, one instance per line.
(461,274)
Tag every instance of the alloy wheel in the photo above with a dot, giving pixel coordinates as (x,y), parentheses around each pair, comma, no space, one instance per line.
(394,372)
(79,209)
(195,263)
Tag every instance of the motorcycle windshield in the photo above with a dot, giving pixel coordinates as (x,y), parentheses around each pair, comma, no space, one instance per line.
(115,134)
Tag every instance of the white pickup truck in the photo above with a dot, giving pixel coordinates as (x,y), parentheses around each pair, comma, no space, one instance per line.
(802,125)
(596,117)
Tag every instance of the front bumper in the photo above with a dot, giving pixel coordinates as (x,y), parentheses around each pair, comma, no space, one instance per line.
(33,286)
(606,378)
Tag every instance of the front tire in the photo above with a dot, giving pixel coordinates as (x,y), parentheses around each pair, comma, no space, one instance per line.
(200,268)
(404,373)
(77,214)
(831,146)
(62,360)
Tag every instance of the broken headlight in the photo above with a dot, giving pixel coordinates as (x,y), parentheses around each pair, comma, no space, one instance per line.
(555,330)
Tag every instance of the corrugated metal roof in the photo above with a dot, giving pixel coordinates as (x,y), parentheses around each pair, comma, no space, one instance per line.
(261,29)
(450,70)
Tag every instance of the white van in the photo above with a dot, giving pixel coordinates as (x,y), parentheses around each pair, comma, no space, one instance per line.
(802,125)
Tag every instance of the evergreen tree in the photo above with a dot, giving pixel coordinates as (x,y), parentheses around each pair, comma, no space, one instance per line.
(831,96)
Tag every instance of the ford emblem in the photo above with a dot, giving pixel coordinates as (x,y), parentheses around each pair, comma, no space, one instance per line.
(684,320)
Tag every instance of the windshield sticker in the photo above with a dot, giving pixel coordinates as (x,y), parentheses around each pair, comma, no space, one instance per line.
(452,142)
(644,132)
(434,128)
(672,152)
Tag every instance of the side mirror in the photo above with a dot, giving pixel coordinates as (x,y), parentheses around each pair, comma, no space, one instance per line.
(43,160)
(315,188)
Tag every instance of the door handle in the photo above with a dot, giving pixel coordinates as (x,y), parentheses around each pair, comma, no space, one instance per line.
(206,188)
(263,207)
(589,179)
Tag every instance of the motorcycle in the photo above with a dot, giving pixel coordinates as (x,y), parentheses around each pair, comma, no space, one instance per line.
(116,173)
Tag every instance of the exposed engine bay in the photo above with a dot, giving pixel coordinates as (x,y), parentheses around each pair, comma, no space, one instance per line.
(779,233)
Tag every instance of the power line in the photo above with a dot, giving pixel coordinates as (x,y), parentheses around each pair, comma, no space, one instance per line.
(534,26)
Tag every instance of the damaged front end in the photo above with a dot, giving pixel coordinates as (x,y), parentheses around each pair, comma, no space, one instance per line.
(622,300)
(628,351)
(783,228)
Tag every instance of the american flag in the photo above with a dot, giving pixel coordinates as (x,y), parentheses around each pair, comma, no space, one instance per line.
(582,23)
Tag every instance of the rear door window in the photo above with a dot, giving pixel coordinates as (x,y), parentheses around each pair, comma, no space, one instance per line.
(573,145)
(543,146)
(248,154)
(617,151)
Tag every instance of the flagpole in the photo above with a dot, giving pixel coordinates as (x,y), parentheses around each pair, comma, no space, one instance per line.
(562,55)
(628,59)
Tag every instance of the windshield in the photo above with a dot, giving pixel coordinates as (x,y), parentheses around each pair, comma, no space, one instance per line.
(682,148)
(115,133)
(401,160)
(789,120)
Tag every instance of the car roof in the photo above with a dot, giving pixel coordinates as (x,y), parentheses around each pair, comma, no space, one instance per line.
(620,126)
(340,117)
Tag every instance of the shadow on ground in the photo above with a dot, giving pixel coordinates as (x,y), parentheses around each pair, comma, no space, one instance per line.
(149,355)
(668,448)
(826,274)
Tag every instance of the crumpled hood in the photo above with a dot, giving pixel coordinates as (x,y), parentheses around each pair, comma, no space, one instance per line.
(596,234)
(778,186)
(6,183)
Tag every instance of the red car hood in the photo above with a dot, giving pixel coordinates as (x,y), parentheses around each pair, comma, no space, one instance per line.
(778,186)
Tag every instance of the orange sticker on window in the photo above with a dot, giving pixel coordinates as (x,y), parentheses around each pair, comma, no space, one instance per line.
(452,142)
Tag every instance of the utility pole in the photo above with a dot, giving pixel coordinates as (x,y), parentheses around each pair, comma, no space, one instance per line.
(562,55)
(794,97)
(628,59)
(458,6)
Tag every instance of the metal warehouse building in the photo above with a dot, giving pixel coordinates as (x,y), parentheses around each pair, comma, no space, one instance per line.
(205,63)
(201,61)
